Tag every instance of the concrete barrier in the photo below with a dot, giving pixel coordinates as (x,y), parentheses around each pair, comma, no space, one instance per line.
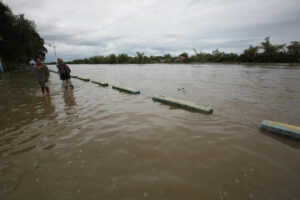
(100,83)
(184,104)
(124,89)
(83,78)
(281,128)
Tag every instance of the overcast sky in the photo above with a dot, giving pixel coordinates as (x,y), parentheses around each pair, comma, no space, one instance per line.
(84,28)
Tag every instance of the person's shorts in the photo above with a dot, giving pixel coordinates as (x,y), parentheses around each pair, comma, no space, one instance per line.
(44,84)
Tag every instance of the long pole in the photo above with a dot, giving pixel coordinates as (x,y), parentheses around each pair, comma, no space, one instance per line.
(52,45)
(54,51)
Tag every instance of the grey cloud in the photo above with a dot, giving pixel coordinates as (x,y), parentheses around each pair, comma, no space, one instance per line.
(79,40)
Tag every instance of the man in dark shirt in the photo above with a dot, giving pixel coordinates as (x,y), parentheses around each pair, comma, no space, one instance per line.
(58,67)
(65,74)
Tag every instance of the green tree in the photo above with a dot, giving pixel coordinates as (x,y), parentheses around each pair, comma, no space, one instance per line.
(123,58)
(94,60)
(271,53)
(250,54)
(167,58)
(217,55)
(294,50)
(140,57)
(19,41)
(200,57)
(111,59)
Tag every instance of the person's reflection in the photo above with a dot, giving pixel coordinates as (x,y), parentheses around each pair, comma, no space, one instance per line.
(49,109)
(69,99)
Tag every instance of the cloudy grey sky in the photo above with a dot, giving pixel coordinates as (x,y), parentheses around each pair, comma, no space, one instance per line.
(84,28)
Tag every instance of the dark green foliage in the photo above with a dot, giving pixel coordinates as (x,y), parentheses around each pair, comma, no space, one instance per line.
(271,53)
(168,58)
(112,59)
(123,59)
(140,58)
(19,41)
(294,51)
(250,54)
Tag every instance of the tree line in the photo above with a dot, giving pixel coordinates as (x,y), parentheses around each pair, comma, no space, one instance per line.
(19,40)
(266,52)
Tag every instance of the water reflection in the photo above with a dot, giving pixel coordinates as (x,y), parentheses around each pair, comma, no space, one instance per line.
(48,109)
(69,99)
(22,102)
(284,139)
(24,114)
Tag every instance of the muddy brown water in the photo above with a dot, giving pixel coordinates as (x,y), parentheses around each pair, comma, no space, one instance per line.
(99,143)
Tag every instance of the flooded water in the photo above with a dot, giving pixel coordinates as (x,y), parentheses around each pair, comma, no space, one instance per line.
(99,143)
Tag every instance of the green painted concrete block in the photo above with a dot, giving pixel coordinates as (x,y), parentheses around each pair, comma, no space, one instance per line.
(184,104)
(281,128)
(125,89)
(83,78)
(104,84)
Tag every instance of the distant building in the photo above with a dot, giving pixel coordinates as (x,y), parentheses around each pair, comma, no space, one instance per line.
(180,58)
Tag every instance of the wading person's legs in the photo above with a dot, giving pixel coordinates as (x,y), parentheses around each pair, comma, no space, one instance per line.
(47,90)
(65,83)
(43,90)
(70,83)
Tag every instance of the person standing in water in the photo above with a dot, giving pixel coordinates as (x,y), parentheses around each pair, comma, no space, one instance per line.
(65,74)
(58,67)
(42,76)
